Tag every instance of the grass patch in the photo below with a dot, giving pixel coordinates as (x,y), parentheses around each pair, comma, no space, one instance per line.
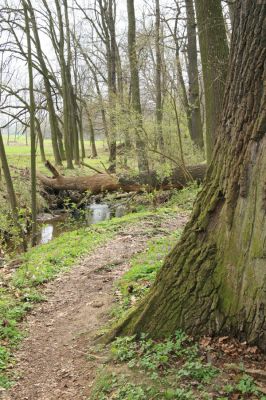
(185,198)
(136,282)
(145,266)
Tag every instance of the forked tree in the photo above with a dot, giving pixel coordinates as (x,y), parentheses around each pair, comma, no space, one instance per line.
(214,280)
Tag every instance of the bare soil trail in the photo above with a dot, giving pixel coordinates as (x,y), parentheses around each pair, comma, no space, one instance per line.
(53,360)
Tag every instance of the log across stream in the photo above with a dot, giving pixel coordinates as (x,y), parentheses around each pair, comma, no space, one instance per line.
(52,225)
(106,182)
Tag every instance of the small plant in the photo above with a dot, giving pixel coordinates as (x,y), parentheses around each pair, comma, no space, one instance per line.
(151,356)
(197,370)
(130,391)
(178,394)
(246,385)
(124,348)
(4,358)
(103,386)
(228,389)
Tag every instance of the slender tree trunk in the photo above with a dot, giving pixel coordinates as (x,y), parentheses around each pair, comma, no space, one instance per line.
(135,92)
(183,89)
(112,90)
(159,105)
(60,140)
(214,281)
(193,73)
(32,129)
(51,111)
(92,136)
(81,132)
(214,59)
(71,95)
(231,6)
(8,179)
(39,132)
(92,139)
(67,112)
(98,90)
(123,105)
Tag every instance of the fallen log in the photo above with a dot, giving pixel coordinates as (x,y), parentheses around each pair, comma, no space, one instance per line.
(103,182)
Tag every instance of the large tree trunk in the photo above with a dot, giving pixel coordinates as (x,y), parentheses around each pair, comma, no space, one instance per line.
(214,280)
(214,59)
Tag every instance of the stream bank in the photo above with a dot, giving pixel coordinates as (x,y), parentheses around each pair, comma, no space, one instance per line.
(53,361)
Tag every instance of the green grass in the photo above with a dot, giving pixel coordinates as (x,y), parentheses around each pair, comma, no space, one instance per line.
(18,155)
(145,266)
(185,198)
(135,283)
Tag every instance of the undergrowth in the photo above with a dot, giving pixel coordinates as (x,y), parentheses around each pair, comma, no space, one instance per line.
(174,368)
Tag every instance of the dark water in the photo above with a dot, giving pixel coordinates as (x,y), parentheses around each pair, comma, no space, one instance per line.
(51,227)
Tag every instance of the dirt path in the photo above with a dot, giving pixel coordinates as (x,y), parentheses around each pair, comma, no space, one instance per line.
(52,361)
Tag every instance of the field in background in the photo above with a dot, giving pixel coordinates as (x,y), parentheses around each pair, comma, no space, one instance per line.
(18,154)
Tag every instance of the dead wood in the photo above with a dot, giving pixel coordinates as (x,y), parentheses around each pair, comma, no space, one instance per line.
(106,182)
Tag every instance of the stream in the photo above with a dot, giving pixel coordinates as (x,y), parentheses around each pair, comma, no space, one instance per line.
(52,226)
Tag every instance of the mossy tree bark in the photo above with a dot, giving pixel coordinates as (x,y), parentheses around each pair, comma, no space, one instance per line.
(214,280)
(214,59)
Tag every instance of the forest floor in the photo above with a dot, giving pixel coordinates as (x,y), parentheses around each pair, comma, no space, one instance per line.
(53,361)
(58,299)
